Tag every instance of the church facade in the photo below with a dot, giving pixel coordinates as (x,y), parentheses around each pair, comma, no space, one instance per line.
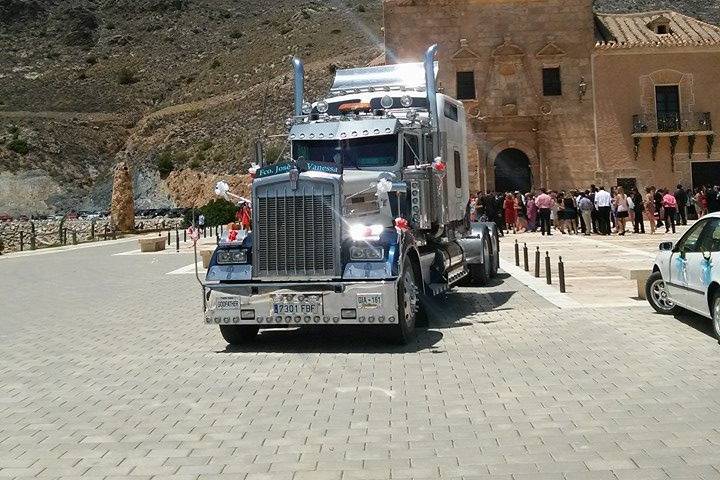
(561,96)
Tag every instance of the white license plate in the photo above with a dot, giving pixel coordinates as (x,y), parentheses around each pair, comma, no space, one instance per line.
(369,300)
(297,308)
(227,304)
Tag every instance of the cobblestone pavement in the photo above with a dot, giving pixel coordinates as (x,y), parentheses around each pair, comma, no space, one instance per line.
(106,371)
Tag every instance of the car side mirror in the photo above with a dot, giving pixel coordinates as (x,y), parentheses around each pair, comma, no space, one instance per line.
(666,246)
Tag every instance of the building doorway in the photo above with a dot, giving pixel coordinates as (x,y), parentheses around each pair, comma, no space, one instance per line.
(512,171)
(705,174)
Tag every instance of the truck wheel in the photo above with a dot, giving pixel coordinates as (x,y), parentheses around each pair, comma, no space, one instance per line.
(481,273)
(408,305)
(238,334)
(657,295)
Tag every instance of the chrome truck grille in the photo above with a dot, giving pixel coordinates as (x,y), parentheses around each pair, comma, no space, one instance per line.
(296,234)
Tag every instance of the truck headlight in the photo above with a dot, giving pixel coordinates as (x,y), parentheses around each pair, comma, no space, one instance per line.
(365,232)
(368,253)
(231,257)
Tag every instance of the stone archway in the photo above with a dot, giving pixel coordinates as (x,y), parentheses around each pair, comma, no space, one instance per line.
(512,171)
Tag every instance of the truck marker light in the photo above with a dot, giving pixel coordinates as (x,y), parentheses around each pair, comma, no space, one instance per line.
(236,319)
(361,319)
(371,319)
(298,319)
(391,319)
(326,319)
(288,319)
(278,319)
(381,319)
(322,106)
(306,108)
(336,319)
(316,319)
(348,313)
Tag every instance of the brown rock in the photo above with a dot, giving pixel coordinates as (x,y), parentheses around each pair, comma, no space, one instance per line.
(123,204)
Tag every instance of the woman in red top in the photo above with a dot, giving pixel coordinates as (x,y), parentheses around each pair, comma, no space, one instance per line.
(510,210)
(701,200)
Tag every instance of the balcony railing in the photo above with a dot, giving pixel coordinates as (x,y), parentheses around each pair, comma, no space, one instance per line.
(672,123)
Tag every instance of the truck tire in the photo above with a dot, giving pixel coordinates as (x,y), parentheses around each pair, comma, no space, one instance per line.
(238,334)
(408,305)
(657,296)
(480,273)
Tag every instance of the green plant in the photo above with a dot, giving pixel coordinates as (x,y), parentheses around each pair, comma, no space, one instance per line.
(125,76)
(18,145)
(195,164)
(165,163)
(215,63)
(205,145)
(274,153)
(110,26)
(235,34)
(91,60)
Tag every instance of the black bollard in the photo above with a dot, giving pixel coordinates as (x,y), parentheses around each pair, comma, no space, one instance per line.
(184,236)
(105,232)
(177,240)
(2,246)
(32,236)
(92,230)
(525,258)
(22,240)
(537,262)
(74,237)
(168,238)
(517,254)
(548,273)
(114,233)
(216,231)
(561,275)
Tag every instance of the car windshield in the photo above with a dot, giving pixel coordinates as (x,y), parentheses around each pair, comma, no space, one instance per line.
(354,153)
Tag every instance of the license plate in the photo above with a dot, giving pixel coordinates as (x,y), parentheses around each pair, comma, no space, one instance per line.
(369,300)
(296,307)
(227,304)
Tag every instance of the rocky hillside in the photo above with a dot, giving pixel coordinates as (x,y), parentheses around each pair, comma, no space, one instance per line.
(190,83)
(706,10)
(168,85)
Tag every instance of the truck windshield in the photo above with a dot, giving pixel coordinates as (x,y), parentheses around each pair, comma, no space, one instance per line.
(354,153)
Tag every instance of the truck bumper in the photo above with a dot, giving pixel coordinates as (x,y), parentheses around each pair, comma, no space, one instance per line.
(340,303)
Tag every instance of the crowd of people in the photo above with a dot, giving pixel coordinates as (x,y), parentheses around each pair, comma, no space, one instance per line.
(596,210)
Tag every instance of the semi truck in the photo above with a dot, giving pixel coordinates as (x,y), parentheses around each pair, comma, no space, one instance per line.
(366,219)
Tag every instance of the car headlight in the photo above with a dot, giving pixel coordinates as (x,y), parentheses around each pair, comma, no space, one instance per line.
(368,253)
(231,257)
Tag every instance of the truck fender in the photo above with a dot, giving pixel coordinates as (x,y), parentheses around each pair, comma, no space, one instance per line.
(473,243)
(410,248)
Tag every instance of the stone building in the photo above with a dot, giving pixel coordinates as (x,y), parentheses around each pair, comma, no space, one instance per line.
(562,96)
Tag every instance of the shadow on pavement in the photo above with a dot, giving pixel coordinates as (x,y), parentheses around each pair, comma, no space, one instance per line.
(698,322)
(335,339)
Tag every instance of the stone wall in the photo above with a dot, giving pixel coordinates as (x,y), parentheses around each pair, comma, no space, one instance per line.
(48,232)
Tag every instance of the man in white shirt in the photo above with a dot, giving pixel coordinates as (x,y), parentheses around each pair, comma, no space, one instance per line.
(603,202)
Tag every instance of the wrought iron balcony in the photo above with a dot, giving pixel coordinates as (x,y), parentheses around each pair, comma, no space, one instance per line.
(672,124)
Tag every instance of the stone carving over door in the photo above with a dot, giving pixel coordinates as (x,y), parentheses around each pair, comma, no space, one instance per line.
(684,81)
(508,90)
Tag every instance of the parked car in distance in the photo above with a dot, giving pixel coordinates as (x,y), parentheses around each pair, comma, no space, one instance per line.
(686,274)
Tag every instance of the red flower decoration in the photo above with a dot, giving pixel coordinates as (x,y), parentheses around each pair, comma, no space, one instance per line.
(401,224)
(439,166)
(232,235)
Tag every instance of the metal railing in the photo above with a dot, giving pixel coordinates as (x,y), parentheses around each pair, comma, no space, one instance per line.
(672,123)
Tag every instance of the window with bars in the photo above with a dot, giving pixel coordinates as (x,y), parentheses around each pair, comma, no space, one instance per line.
(466,85)
(552,83)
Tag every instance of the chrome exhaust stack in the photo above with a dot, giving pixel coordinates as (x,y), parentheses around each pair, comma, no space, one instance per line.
(431,87)
(299,85)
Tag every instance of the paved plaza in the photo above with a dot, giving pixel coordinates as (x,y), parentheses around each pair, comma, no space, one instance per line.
(107,371)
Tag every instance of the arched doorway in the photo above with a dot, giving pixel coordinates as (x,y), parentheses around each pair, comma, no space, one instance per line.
(512,171)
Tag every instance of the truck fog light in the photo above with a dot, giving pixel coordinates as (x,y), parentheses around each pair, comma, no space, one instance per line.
(247,314)
(348,313)
(391,319)
(316,319)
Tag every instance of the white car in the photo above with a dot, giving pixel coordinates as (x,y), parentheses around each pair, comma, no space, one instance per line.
(687,273)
